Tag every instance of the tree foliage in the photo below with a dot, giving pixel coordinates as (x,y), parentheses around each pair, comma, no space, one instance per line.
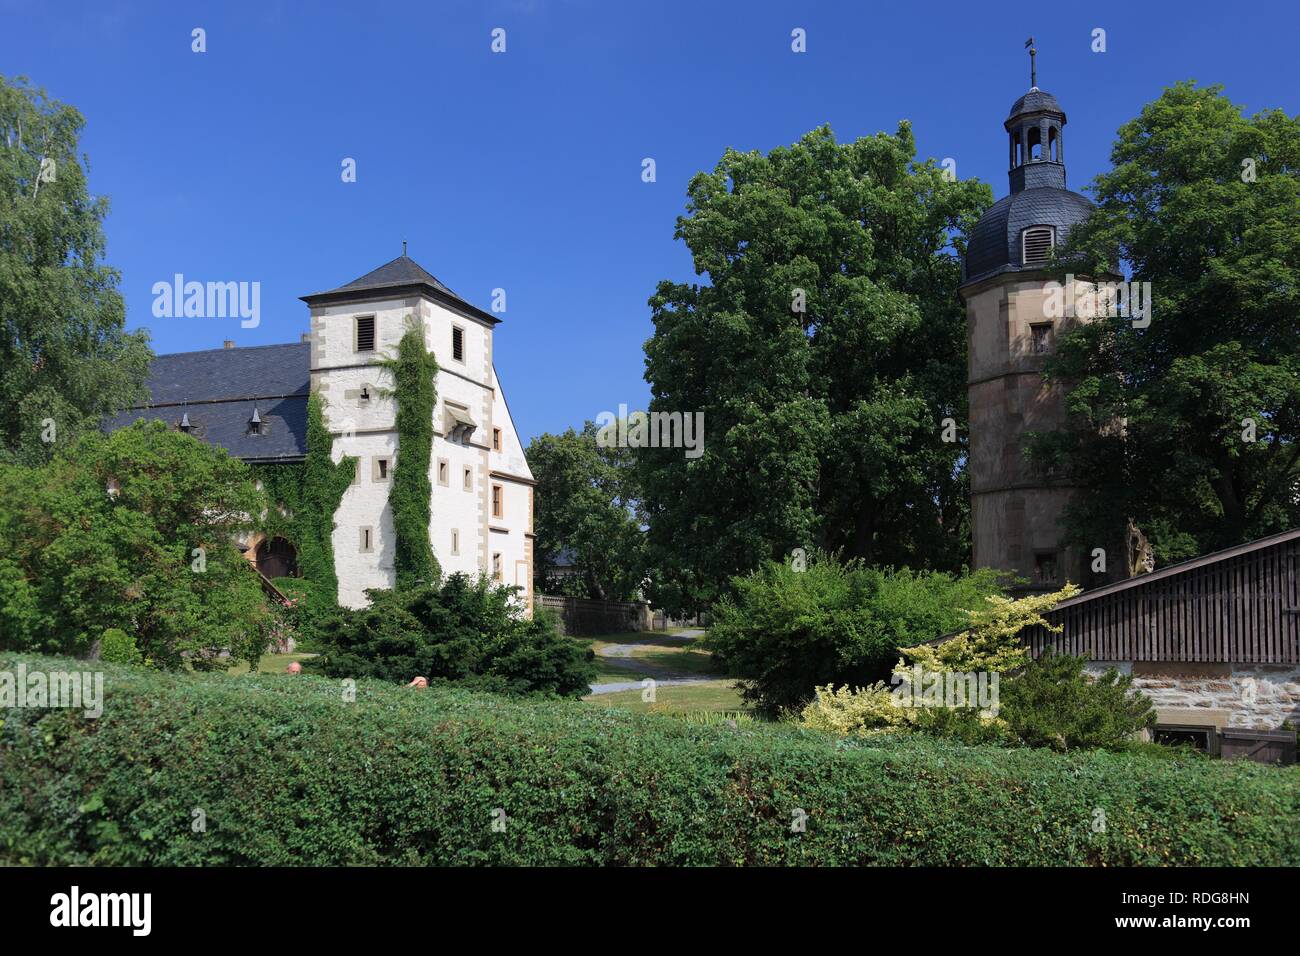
(1190,425)
(79,560)
(784,631)
(586,504)
(822,426)
(66,360)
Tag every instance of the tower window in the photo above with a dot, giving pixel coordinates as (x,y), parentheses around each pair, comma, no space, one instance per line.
(455,541)
(458,344)
(1038,242)
(496,567)
(365,333)
(383,467)
(497,506)
(1045,567)
(469,479)
(496,439)
(367,540)
(443,470)
(1041,338)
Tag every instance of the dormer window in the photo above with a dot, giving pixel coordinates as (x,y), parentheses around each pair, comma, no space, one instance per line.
(1037,243)
(185,425)
(255,424)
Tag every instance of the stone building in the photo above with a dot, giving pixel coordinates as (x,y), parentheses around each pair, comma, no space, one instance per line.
(253,402)
(1015,511)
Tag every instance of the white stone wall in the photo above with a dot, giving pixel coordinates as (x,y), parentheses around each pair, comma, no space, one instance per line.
(366,429)
(1252,696)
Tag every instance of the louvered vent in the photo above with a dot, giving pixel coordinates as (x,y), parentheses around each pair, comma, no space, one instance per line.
(366,333)
(1038,242)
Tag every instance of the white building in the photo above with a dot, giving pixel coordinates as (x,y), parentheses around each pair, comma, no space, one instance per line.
(252,401)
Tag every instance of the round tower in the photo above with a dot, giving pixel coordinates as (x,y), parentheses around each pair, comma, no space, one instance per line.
(1015,509)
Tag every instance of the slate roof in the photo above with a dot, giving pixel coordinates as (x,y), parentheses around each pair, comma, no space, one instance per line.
(1035,101)
(220,388)
(402,273)
(995,241)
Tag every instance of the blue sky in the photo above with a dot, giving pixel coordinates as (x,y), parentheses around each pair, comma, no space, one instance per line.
(522,170)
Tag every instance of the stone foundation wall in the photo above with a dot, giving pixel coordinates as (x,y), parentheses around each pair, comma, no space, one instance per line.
(1253,696)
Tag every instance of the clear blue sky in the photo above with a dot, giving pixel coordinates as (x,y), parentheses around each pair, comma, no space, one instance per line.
(522,170)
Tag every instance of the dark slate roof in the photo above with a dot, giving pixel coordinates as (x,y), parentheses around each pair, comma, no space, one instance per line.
(995,241)
(1035,101)
(220,388)
(402,273)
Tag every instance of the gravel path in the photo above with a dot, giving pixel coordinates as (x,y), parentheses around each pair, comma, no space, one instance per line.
(662,676)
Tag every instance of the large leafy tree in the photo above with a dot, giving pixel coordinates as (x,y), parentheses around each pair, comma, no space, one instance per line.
(586,505)
(65,359)
(1189,426)
(826,350)
(135,531)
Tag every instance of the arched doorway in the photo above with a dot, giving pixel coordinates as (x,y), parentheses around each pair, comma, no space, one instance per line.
(276,558)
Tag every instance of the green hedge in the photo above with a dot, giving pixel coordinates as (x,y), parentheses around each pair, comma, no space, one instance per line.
(287,773)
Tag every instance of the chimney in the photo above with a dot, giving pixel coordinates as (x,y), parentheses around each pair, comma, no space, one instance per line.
(306,337)
(228,344)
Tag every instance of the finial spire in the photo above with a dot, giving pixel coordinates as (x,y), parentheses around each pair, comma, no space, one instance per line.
(403,247)
(1033,67)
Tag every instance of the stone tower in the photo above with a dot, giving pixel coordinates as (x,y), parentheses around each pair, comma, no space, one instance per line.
(1015,510)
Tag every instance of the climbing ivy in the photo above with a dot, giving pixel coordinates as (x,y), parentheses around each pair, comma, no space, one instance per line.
(414,372)
(301,502)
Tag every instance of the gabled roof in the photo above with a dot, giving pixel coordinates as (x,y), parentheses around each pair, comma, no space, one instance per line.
(220,389)
(401,276)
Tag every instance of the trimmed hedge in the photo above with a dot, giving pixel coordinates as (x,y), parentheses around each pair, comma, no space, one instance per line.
(286,772)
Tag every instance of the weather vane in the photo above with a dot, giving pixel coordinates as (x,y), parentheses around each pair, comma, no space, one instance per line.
(1033,68)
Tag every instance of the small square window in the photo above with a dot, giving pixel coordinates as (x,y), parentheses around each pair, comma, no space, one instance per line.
(469,479)
(365,333)
(367,540)
(383,469)
(1045,567)
(496,439)
(1041,338)
(443,470)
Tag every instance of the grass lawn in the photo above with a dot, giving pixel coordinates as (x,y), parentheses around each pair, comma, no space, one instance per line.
(715,695)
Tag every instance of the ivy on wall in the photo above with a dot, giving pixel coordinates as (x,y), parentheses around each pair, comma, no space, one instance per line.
(302,499)
(414,372)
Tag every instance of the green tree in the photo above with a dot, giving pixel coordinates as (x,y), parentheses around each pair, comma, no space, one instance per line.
(135,531)
(825,352)
(1189,425)
(788,629)
(586,503)
(65,359)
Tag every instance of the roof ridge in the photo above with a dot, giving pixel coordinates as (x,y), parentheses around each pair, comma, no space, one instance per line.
(237,348)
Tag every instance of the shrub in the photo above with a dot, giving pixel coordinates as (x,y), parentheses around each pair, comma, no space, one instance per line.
(788,631)
(118,647)
(287,772)
(1052,703)
(849,712)
(464,631)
